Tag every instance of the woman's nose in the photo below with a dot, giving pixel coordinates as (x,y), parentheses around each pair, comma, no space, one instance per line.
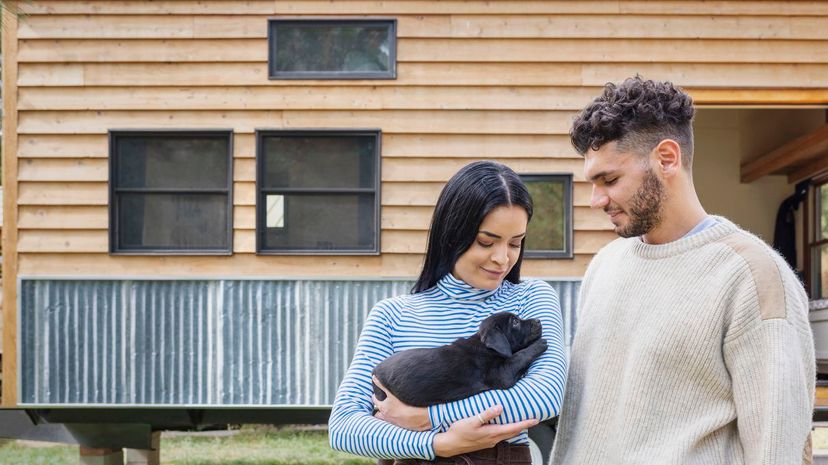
(500,256)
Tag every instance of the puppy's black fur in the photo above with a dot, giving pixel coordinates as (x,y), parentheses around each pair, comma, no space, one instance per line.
(495,357)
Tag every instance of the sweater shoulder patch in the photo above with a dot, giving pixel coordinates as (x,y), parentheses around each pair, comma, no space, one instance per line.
(765,272)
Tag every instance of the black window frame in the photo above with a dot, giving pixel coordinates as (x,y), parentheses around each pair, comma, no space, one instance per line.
(569,250)
(273,74)
(261,204)
(114,246)
(814,240)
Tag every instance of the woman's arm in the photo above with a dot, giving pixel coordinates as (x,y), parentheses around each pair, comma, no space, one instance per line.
(352,427)
(537,395)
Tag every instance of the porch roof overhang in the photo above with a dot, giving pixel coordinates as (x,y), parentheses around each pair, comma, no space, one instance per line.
(799,159)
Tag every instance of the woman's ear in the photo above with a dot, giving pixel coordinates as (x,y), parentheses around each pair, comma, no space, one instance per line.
(667,156)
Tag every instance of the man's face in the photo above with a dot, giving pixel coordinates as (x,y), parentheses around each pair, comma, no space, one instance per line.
(626,188)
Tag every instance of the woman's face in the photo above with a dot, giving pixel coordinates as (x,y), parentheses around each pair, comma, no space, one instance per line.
(495,250)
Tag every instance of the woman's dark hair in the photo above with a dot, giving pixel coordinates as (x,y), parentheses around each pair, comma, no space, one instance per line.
(638,114)
(473,192)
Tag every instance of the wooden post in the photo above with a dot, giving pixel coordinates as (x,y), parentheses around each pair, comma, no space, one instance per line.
(9,235)
(90,456)
(146,457)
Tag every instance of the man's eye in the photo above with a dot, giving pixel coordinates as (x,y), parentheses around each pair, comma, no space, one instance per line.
(609,182)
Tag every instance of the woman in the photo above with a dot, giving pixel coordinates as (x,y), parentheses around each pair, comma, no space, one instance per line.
(471,270)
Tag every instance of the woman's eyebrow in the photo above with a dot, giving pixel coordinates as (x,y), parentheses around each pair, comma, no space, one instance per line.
(495,236)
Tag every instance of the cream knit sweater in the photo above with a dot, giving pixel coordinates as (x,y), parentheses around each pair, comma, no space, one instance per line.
(694,352)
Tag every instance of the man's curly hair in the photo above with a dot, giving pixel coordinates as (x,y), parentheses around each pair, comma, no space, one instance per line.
(638,114)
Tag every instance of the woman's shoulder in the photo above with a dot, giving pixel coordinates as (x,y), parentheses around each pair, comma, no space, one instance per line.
(533,289)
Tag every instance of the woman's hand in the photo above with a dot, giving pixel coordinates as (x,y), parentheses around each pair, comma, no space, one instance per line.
(397,413)
(475,433)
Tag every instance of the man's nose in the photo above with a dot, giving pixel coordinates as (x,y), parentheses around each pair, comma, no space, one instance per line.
(599,198)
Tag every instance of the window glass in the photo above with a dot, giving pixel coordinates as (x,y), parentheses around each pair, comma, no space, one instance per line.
(332,49)
(162,221)
(321,162)
(550,230)
(325,222)
(172,162)
(821,277)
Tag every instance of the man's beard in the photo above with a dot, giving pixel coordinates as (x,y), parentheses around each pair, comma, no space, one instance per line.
(645,207)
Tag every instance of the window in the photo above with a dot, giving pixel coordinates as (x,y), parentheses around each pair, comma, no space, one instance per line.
(318,192)
(332,49)
(818,241)
(550,232)
(170,192)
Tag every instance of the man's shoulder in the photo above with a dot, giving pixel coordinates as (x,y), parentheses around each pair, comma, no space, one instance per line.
(768,271)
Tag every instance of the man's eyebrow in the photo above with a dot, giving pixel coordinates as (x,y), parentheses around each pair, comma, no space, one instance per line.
(495,236)
(601,174)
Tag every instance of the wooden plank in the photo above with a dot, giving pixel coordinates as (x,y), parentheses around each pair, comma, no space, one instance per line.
(441,50)
(63,146)
(64,217)
(803,148)
(322,7)
(441,169)
(101,264)
(98,122)
(586,218)
(244,217)
(403,194)
(474,146)
(300,98)
(137,50)
(390,121)
(255,74)
(759,96)
(816,167)
(613,50)
(728,76)
(244,193)
(477,146)
(557,268)
(55,169)
(585,242)
(439,26)
(244,169)
(63,193)
(64,241)
(10,193)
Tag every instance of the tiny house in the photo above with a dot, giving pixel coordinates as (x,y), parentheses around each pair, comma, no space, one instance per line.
(203,199)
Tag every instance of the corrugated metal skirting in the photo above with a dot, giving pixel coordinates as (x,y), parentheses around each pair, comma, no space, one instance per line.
(176,342)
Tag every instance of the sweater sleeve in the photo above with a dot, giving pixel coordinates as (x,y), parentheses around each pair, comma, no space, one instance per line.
(352,427)
(536,395)
(771,362)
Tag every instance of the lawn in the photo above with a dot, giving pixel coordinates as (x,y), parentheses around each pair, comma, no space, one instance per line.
(251,446)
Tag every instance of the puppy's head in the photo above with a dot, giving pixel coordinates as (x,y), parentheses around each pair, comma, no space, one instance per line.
(506,334)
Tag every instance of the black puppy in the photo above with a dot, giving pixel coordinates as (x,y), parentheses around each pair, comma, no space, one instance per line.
(494,357)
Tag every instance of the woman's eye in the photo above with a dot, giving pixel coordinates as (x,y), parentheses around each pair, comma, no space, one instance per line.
(484,244)
(515,246)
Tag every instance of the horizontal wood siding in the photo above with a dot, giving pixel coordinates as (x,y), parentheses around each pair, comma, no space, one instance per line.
(494,80)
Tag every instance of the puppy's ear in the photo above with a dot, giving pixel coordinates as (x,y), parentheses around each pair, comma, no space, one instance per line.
(497,341)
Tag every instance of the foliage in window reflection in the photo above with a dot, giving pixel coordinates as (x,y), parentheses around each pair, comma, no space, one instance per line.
(823,202)
(547,230)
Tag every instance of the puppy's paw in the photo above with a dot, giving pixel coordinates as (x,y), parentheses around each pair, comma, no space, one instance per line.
(540,346)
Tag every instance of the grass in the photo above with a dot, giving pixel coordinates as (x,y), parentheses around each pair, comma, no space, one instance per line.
(251,446)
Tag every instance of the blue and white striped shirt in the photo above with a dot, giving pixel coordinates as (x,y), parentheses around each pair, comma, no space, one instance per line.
(432,318)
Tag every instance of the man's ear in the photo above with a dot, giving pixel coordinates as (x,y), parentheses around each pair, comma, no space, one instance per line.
(497,341)
(668,157)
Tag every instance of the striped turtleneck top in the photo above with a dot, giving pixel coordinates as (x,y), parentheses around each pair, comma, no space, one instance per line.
(438,316)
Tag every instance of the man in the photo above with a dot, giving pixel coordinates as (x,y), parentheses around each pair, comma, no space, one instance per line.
(693,344)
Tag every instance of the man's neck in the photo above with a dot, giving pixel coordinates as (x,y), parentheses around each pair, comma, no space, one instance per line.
(676,221)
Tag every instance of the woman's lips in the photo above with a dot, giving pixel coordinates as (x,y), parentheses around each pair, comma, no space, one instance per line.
(493,274)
